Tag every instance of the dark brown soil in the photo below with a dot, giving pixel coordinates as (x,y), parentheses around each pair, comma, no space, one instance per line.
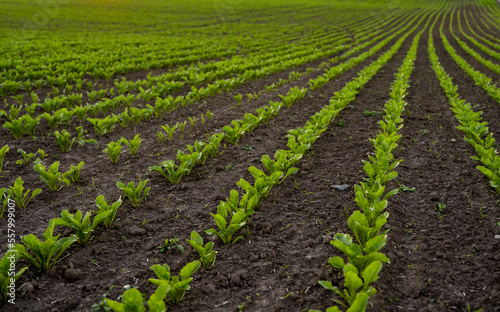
(438,263)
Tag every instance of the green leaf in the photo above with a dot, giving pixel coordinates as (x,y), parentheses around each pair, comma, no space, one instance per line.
(337,262)
(189,269)
(370,274)
(375,244)
(359,304)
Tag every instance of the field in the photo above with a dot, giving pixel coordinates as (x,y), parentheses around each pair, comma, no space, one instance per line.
(334,153)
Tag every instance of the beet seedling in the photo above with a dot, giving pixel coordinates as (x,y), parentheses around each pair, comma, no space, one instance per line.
(169,131)
(75,172)
(133,145)
(7,276)
(133,193)
(170,243)
(113,150)
(3,151)
(4,201)
(81,137)
(80,224)
(52,177)
(46,253)
(173,172)
(207,255)
(16,193)
(357,301)
(132,300)
(178,284)
(238,98)
(26,157)
(238,220)
(108,210)
(16,128)
(63,140)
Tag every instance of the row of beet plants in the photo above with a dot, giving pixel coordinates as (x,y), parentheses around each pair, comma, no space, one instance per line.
(471,124)
(364,257)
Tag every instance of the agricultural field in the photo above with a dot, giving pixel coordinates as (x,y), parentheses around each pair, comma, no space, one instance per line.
(250,155)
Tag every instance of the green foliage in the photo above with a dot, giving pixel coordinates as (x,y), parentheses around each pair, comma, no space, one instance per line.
(4,201)
(174,172)
(41,152)
(81,137)
(113,150)
(293,96)
(75,172)
(44,254)
(108,211)
(133,145)
(3,151)
(80,224)
(207,255)
(471,124)
(169,131)
(26,157)
(133,193)
(64,140)
(17,193)
(178,284)
(238,98)
(103,126)
(226,231)
(9,277)
(132,301)
(181,126)
(170,243)
(52,177)
(234,133)
(16,127)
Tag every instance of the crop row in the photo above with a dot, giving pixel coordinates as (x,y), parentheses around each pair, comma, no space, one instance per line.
(364,259)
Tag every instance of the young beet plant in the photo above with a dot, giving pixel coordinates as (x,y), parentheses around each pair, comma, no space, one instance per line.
(8,278)
(178,284)
(113,150)
(16,193)
(52,177)
(44,254)
(81,137)
(132,300)
(238,220)
(133,145)
(82,226)
(3,151)
(75,172)
(206,253)
(64,140)
(4,201)
(108,210)
(134,193)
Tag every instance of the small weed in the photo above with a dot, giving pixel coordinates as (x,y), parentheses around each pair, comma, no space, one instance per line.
(371,113)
